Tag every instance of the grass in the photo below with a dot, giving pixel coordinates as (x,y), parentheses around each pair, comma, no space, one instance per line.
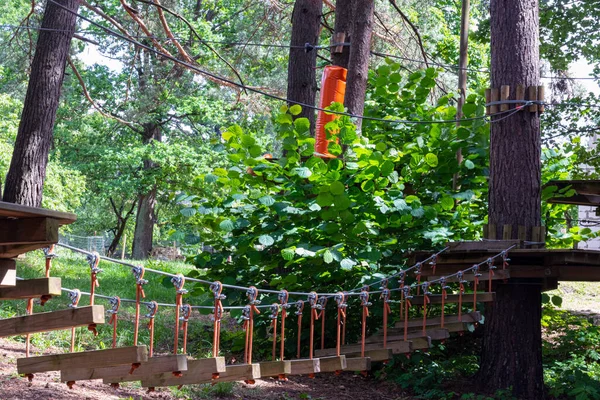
(74,272)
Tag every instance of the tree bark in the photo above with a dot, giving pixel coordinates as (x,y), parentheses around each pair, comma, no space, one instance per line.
(145,218)
(302,81)
(512,347)
(360,51)
(25,178)
(343,24)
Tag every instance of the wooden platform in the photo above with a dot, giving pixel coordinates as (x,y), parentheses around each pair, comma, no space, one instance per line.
(398,347)
(32,288)
(472,317)
(483,297)
(51,321)
(24,229)
(275,368)
(198,371)
(97,358)
(117,374)
(587,192)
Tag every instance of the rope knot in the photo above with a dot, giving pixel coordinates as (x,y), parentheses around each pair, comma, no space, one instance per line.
(138,273)
(505,259)
(252,294)
(115,303)
(476,272)
(433,263)
(274,311)
(418,267)
(425,286)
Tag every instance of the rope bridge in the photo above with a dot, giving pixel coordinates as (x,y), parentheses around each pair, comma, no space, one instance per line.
(138,362)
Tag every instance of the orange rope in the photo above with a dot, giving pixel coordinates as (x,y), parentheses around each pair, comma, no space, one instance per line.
(385,295)
(283,299)
(426,301)
(138,273)
(217,288)
(49,253)
(476,275)
(340,299)
(94,260)
(407,297)
(401,276)
(461,289)
(74,296)
(152,309)
(178,281)
(323,304)
(491,269)
(444,296)
(252,294)
(314,315)
(186,310)
(274,313)
(300,308)
(115,303)
(418,273)
(29,310)
(433,263)
(364,302)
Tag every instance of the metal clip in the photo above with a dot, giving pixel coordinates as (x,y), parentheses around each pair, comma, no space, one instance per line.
(115,303)
(49,252)
(418,267)
(93,259)
(274,311)
(443,283)
(186,310)
(138,273)
(340,299)
(490,264)
(401,276)
(178,281)
(364,298)
(216,287)
(476,272)
(425,286)
(322,302)
(74,296)
(460,275)
(299,307)
(246,313)
(312,300)
(152,308)
(283,297)
(385,295)
(252,294)
(406,292)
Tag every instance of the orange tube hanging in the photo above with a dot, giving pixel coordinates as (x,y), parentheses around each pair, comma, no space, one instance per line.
(115,303)
(364,302)
(299,309)
(385,295)
(333,89)
(217,288)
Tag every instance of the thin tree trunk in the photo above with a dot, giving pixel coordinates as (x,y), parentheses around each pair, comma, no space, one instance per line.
(121,224)
(25,178)
(343,24)
(302,81)
(512,347)
(145,218)
(358,65)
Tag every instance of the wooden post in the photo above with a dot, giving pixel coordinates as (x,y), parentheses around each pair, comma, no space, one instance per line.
(533,96)
(540,96)
(488,99)
(520,94)
(32,288)
(504,95)
(495,97)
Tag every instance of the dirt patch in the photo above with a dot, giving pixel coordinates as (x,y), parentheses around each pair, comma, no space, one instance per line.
(47,386)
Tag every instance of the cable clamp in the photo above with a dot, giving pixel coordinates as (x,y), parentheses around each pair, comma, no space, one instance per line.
(274,311)
(476,272)
(74,296)
(49,252)
(115,303)
(425,286)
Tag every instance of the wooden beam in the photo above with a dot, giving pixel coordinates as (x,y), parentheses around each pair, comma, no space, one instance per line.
(433,334)
(12,210)
(332,363)
(32,288)
(28,231)
(471,317)
(480,245)
(275,368)
(51,321)
(419,343)
(97,358)
(374,355)
(358,364)
(8,273)
(240,372)
(499,274)
(121,373)
(397,346)
(198,371)
(483,297)
(305,366)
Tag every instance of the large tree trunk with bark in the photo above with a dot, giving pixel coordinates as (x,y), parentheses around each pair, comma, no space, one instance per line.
(360,51)
(512,348)
(343,24)
(25,178)
(302,83)
(146,217)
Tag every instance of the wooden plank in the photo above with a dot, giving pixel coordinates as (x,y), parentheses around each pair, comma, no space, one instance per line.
(396,346)
(8,273)
(504,95)
(421,343)
(491,235)
(332,363)
(571,273)
(520,94)
(12,210)
(471,317)
(275,368)
(495,97)
(198,371)
(28,231)
(97,358)
(507,232)
(120,373)
(499,274)
(378,355)
(358,364)
(51,321)
(483,297)
(533,96)
(541,94)
(32,288)
(522,232)
(240,372)
(398,335)
(480,245)
(305,366)
(488,99)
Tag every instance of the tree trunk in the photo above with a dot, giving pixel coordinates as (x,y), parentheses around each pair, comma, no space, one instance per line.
(302,81)
(343,24)
(121,224)
(25,178)
(512,347)
(360,51)
(145,218)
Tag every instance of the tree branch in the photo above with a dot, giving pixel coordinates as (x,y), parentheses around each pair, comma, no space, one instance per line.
(134,15)
(414,28)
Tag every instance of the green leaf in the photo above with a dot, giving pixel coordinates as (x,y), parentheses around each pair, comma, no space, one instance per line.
(557,300)
(347,264)
(288,254)
(328,256)
(367,186)
(255,151)
(267,200)
(188,211)
(248,140)
(266,240)
(447,203)
(324,199)
(469,164)
(295,109)
(431,160)
(302,125)
(303,172)
(337,188)
(227,225)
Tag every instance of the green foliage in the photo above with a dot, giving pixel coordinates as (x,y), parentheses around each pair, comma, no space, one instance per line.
(571,355)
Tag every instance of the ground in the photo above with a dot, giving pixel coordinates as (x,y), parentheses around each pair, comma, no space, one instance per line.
(47,386)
